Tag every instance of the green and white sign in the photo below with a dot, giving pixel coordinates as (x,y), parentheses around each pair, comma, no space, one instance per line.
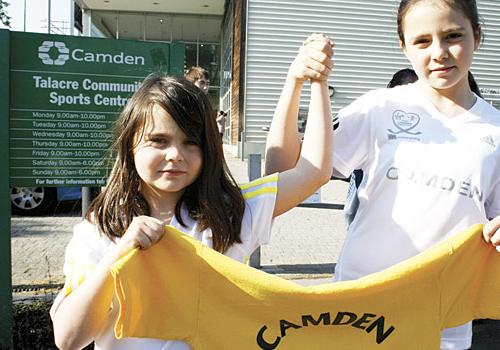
(65,94)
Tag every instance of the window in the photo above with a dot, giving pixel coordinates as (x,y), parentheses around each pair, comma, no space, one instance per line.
(208,58)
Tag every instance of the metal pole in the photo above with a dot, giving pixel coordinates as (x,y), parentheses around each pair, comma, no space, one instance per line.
(87,31)
(25,15)
(254,166)
(117,36)
(72,17)
(86,199)
(242,145)
(48,19)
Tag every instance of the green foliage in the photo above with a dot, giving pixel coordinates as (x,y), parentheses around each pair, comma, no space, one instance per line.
(32,327)
(4,18)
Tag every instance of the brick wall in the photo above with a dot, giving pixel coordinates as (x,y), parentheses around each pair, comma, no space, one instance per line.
(238,65)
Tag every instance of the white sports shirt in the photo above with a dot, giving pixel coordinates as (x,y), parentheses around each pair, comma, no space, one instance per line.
(87,247)
(426,176)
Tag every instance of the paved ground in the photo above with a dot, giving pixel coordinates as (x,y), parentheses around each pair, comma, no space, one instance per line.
(304,246)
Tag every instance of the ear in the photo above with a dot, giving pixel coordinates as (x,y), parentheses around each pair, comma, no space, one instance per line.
(478,35)
(403,47)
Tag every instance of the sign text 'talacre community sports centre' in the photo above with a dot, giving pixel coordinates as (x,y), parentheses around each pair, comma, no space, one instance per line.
(65,94)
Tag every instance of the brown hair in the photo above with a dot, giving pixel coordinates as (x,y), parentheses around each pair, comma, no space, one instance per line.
(213,199)
(468,8)
(196,73)
(473,85)
(408,75)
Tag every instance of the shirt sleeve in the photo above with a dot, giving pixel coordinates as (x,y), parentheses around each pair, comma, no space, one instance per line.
(84,251)
(352,137)
(260,198)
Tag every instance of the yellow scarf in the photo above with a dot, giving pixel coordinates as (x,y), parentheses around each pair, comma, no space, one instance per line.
(182,290)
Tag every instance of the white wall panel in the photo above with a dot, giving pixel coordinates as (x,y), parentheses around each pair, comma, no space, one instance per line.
(486,64)
(367,52)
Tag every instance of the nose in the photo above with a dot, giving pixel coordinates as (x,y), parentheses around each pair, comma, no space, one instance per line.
(173,153)
(439,50)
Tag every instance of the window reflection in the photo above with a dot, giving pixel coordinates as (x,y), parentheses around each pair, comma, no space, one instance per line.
(200,34)
(208,58)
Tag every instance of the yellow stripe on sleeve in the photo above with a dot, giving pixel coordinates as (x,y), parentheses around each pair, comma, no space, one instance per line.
(68,289)
(260,191)
(260,181)
(81,278)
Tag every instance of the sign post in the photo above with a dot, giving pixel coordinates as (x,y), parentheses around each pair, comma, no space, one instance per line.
(5,259)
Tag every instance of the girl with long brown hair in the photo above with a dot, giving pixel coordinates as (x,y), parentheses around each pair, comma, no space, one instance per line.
(170,170)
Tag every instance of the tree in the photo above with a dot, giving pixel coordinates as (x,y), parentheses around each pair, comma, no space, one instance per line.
(4,18)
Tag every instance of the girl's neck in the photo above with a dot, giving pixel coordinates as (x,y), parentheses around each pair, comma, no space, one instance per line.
(451,102)
(163,214)
(162,205)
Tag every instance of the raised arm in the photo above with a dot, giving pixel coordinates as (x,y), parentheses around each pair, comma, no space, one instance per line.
(283,142)
(314,165)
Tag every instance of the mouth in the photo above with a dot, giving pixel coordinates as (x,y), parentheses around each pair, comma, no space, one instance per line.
(441,69)
(172,172)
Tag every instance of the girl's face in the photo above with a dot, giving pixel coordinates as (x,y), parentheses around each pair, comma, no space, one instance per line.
(439,42)
(166,160)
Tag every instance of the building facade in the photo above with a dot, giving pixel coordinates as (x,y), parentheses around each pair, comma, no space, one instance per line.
(367,53)
(248,45)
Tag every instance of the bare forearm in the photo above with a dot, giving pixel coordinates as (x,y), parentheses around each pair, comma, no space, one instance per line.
(81,316)
(313,168)
(303,169)
(283,141)
(319,131)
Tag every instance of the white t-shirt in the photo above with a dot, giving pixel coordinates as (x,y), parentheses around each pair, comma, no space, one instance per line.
(426,176)
(87,247)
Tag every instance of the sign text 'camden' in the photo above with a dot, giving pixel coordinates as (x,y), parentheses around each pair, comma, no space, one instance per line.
(367,322)
(56,53)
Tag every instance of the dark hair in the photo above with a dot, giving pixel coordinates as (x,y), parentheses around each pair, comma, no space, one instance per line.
(213,199)
(403,77)
(468,8)
(407,75)
(473,85)
(196,73)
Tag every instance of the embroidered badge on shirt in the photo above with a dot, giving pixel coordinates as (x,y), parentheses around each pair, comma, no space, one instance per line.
(404,126)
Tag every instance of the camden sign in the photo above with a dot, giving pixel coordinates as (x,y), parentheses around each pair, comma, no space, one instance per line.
(65,95)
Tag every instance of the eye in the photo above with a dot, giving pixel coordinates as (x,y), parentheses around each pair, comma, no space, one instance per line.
(454,36)
(421,41)
(157,140)
(191,142)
